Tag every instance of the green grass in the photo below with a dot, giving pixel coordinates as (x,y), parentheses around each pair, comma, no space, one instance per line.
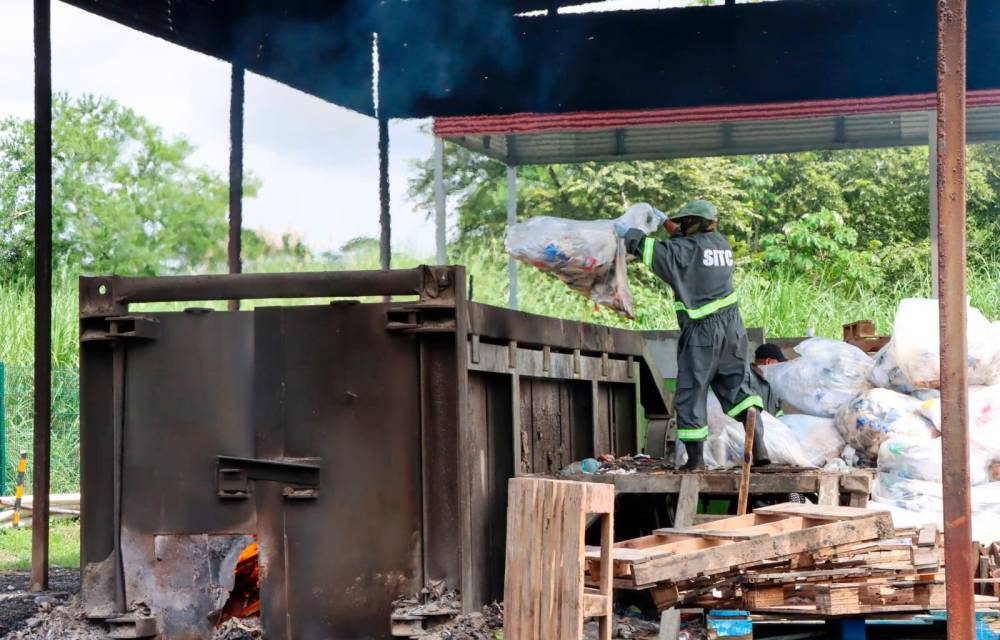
(64,546)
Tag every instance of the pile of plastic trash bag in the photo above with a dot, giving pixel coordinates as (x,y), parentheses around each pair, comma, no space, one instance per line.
(585,254)
(785,439)
(826,376)
(886,412)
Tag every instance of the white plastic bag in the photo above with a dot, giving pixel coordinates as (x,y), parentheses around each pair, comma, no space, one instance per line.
(819,438)
(887,374)
(874,415)
(915,345)
(585,254)
(724,445)
(984,418)
(920,459)
(916,502)
(826,376)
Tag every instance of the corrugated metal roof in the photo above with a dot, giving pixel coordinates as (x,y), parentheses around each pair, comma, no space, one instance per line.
(610,136)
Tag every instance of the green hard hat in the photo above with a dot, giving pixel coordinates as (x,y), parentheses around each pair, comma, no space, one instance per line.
(697,209)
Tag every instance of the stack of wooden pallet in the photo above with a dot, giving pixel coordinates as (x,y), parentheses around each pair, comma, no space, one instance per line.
(988,572)
(902,574)
(788,559)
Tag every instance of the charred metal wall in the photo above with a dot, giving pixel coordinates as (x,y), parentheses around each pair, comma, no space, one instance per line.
(366,446)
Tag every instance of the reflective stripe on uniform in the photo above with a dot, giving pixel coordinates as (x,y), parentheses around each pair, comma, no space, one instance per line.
(746,403)
(687,435)
(647,252)
(708,309)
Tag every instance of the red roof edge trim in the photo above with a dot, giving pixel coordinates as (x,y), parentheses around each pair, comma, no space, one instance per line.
(455,126)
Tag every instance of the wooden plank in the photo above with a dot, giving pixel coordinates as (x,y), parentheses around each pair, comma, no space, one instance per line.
(817,512)
(544,591)
(715,535)
(546,427)
(565,426)
(517,427)
(829,490)
(724,556)
(687,500)
(602,419)
(744,491)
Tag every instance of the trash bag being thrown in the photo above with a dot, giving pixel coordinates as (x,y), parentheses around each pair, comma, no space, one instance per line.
(585,254)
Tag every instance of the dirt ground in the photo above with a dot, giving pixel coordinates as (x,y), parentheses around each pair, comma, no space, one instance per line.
(17,605)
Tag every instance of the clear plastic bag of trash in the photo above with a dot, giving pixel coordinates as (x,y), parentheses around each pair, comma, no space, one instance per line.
(920,459)
(724,445)
(874,415)
(827,375)
(585,254)
(886,373)
(926,495)
(984,418)
(818,437)
(915,345)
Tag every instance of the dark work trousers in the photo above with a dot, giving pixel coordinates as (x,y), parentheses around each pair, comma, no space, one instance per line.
(713,352)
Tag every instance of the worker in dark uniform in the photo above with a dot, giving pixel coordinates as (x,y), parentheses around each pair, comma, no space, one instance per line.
(764,355)
(697,263)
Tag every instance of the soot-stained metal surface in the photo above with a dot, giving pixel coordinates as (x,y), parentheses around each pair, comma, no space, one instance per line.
(364,446)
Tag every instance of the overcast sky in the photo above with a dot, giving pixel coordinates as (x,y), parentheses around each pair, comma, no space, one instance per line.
(318,163)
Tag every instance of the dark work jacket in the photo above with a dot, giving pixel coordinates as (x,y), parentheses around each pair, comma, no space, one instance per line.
(699,269)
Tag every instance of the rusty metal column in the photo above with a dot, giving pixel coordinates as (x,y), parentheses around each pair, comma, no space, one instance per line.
(43,297)
(236,96)
(512,219)
(951,74)
(440,204)
(385,221)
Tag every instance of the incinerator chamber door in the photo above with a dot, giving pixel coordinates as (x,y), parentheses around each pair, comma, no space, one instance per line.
(331,385)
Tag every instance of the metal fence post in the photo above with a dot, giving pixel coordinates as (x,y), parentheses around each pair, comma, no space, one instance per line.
(951,79)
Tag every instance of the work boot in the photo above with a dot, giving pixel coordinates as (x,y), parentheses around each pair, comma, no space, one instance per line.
(696,455)
(760,455)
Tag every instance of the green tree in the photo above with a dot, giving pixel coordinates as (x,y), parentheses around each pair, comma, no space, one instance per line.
(842,217)
(126,198)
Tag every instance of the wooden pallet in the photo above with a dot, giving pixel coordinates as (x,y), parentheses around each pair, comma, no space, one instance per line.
(678,555)
(544,593)
(843,598)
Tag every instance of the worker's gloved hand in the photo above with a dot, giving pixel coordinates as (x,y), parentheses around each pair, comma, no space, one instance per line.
(621,229)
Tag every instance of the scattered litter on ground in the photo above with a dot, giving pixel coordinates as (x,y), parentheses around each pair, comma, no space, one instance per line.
(54,621)
(17,604)
(240,629)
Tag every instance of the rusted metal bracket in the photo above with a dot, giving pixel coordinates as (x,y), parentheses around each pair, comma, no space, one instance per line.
(422,318)
(120,328)
(300,476)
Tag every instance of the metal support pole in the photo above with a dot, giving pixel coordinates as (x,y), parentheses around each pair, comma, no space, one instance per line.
(440,210)
(932,200)
(385,242)
(512,219)
(951,79)
(236,96)
(43,296)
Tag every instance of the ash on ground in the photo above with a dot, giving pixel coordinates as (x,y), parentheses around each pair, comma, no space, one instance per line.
(18,605)
(64,621)
(439,611)
(240,629)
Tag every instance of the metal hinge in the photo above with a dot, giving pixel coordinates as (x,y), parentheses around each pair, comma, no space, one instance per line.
(120,328)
